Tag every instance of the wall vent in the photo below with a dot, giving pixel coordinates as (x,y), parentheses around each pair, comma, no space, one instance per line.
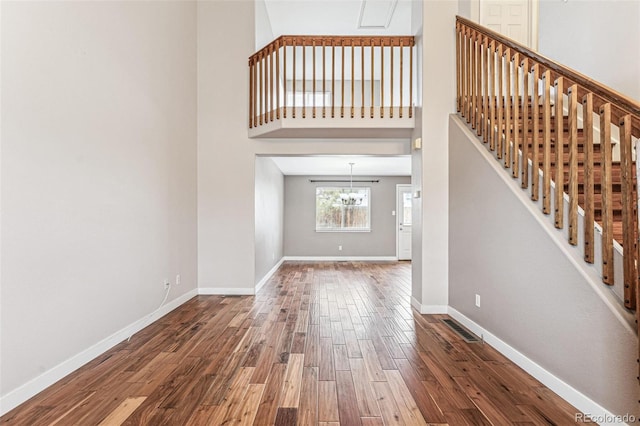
(465,334)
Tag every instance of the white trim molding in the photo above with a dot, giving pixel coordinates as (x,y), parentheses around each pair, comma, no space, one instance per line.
(226,291)
(269,274)
(341,258)
(564,390)
(21,394)
(428,309)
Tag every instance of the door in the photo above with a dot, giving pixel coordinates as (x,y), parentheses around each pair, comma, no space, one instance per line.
(404,199)
(510,18)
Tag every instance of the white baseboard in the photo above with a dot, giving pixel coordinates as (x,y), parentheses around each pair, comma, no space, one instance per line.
(342,258)
(564,390)
(19,395)
(220,291)
(268,275)
(428,309)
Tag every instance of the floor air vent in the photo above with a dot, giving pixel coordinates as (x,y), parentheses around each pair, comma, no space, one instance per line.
(466,335)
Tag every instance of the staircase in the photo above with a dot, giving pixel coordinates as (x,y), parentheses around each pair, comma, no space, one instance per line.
(548,124)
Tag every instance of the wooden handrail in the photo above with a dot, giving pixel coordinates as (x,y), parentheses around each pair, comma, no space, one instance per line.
(604,92)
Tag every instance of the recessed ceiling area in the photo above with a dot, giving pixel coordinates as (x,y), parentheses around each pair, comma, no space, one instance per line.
(338,165)
(344,17)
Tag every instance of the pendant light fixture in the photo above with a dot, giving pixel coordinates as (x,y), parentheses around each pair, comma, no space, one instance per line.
(351,198)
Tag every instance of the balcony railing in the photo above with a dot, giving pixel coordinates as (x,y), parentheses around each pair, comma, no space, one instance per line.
(332,77)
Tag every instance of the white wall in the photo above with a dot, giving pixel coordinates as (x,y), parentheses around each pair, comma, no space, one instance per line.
(269,217)
(98,173)
(532,296)
(597,38)
(301,238)
(263,30)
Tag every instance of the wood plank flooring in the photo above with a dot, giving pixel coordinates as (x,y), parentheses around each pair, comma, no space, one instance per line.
(333,343)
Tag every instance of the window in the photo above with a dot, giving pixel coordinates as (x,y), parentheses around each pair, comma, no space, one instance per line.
(343,209)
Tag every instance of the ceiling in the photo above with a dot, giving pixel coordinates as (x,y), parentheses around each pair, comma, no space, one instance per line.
(339,17)
(338,165)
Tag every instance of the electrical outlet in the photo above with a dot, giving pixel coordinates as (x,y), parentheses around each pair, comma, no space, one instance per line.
(478,300)
(178,279)
(340,248)
(167,284)
(393,212)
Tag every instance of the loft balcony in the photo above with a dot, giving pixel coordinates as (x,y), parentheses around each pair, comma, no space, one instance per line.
(332,86)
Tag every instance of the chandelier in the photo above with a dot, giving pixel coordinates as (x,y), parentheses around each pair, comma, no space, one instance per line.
(351,198)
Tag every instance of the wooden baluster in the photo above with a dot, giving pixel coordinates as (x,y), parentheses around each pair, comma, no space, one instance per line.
(333,78)
(372,69)
(271,65)
(507,108)
(559,145)
(525,124)
(515,155)
(304,79)
(324,80)
(284,78)
(629,225)
(607,199)
(485,89)
(573,164)
(468,73)
(588,180)
(491,62)
(293,107)
(473,104)
(478,105)
(458,68)
(499,105)
(353,81)
(362,75)
(342,102)
(251,93)
(381,78)
(546,143)
(535,134)
(411,79)
(463,72)
(401,76)
(278,80)
(391,78)
(313,61)
(261,85)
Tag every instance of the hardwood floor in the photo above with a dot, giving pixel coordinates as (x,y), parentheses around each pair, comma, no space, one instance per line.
(332,343)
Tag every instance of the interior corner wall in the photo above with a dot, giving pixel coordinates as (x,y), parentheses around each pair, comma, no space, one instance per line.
(597,38)
(98,174)
(533,297)
(301,238)
(226,158)
(269,217)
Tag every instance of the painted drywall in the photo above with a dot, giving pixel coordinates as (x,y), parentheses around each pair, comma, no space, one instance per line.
(597,38)
(98,173)
(301,238)
(269,217)
(532,296)
(264,32)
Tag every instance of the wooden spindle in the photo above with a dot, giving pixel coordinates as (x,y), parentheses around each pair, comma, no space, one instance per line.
(333,78)
(362,76)
(401,77)
(304,79)
(411,78)
(491,63)
(559,149)
(324,79)
(278,81)
(629,224)
(458,68)
(261,91)
(464,63)
(535,134)
(507,108)
(573,164)
(353,81)
(342,102)
(468,73)
(472,80)
(485,90)
(478,68)
(526,99)
(607,199)
(284,79)
(391,78)
(500,104)
(372,69)
(515,155)
(270,79)
(313,63)
(588,180)
(546,142)
(250,94)
(381,79)
(293,107)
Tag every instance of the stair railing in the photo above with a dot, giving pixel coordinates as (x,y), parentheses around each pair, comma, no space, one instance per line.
(331,76)
(512,96)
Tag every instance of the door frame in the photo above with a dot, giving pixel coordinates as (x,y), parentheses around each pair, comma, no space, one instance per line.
(400,186)
(533,20)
